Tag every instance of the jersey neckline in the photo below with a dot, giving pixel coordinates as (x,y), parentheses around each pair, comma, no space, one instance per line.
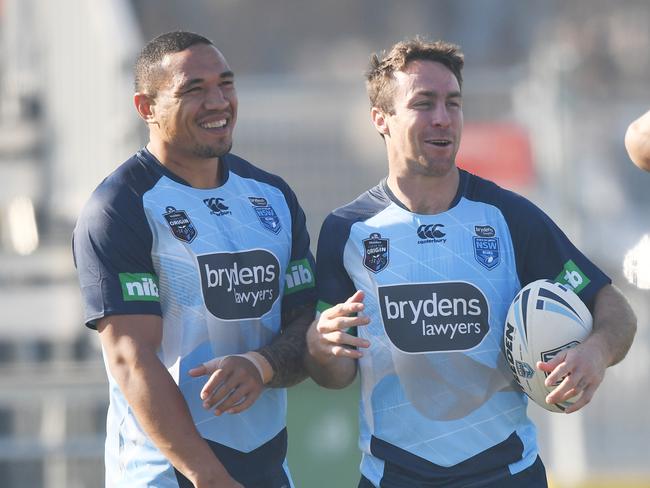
(148,157)
(462,181)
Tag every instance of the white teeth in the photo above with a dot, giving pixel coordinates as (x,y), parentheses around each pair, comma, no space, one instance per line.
(214,125)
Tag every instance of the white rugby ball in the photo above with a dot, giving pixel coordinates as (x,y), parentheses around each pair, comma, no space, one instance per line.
(544,319)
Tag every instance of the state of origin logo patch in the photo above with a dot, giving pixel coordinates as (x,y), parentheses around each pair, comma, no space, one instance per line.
(180,224)
(375,252)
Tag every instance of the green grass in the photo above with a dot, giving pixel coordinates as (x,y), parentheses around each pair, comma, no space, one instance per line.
(323,435)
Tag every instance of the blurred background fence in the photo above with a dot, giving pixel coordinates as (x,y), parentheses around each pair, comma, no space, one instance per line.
(549,90)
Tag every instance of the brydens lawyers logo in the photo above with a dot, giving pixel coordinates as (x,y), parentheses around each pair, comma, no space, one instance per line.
(375,255)
(139,287)
(180,224)
(484,230)
(434,317)
(431,233)
(216,206)
(239,285)
(266,215)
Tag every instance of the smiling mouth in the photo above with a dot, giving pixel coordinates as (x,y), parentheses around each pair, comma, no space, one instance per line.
(439,142)
(216,124)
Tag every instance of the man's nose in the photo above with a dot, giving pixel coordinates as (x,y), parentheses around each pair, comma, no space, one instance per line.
(215,99)
(440,116)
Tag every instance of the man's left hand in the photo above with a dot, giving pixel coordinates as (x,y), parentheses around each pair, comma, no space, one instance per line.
(579,371)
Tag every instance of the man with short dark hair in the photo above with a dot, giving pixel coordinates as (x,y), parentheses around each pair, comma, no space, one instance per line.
(429,260)
(182,254)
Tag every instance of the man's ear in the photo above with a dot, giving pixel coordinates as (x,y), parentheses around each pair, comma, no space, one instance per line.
(379,119)
(144,104)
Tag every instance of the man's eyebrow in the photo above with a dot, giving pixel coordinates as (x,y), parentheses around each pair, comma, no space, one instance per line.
(197,81)
(434,94)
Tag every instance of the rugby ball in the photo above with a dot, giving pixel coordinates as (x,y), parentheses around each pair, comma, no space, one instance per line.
(544,319)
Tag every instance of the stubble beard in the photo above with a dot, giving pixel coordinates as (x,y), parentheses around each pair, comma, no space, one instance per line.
(209,152)
(432,168)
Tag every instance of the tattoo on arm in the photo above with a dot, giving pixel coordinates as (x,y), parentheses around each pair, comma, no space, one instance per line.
(286,352)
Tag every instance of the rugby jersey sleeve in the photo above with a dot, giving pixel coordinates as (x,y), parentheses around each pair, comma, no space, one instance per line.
(543,251)
(300,287)
(112,253)
(333,283)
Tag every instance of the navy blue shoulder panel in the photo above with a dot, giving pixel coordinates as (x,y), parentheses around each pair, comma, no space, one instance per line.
(243,168)
(542,250)
(332,280)
(112,236)
(299,236)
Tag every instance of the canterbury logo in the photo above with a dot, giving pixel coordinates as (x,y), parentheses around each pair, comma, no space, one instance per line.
(431,231)
(216,206)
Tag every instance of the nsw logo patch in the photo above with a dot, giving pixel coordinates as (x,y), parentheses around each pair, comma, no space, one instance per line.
(266,215)
(180,224)
(375,252)
(486,251)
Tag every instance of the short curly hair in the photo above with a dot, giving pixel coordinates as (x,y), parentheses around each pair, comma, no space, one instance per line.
(380,82)
(147,65)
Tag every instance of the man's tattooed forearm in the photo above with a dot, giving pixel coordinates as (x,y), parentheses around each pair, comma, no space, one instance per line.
(285,353)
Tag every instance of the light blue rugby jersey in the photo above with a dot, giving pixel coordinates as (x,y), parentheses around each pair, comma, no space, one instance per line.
(219,265)
(438,399)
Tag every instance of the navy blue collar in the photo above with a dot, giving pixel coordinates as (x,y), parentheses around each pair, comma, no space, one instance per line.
(145,156)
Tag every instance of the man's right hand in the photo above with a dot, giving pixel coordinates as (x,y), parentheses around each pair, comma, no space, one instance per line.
(327,337)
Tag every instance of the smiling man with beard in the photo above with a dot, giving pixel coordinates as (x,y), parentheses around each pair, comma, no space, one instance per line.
(182,255)
(430,260)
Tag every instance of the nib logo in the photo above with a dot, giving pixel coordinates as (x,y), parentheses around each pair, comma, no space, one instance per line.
(299,276)
(216,206)
(139,287)
(572,276)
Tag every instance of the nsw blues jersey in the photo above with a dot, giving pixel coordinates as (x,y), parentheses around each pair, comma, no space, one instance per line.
(219,265)
(438,398)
